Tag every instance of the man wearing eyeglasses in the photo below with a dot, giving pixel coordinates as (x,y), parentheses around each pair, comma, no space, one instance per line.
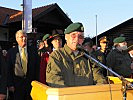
(67,66)
(23,67)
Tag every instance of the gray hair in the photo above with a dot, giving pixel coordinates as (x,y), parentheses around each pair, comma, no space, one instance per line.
(20,31)
(116,45)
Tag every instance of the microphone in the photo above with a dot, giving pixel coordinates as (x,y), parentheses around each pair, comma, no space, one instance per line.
(80,48)
(86,54)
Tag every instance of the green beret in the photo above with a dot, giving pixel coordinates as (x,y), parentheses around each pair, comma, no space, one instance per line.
(74,27)
(119,40)
(45,37)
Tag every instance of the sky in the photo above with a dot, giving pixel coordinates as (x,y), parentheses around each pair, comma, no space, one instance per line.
(110,13)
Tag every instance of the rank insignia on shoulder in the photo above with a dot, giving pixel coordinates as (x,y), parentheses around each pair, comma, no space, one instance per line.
(99,57)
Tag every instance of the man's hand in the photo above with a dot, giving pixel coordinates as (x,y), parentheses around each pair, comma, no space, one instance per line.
(2,96)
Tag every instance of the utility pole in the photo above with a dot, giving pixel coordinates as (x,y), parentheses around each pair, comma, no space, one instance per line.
(23,15)
(96,30)
(27,16)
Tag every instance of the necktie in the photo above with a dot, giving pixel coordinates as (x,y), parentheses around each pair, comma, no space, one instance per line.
(24,61)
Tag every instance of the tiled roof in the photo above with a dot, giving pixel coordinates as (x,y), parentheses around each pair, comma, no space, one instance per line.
(37,11)
(6,11)
(16,15)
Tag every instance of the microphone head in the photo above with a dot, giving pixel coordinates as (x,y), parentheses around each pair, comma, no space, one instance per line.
(80,47)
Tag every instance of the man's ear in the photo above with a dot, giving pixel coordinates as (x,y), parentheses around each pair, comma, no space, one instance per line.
(66,36)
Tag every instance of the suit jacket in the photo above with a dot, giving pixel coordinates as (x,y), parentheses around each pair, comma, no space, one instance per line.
(3,75)
(15,72)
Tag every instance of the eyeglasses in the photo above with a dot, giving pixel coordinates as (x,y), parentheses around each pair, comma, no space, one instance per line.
(22,37)
(123,43)
(104,42)
(74,35)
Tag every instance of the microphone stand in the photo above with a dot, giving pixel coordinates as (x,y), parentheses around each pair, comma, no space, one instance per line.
(125,83)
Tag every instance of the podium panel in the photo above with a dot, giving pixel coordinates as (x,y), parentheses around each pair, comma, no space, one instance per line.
(38,91)
(94,92)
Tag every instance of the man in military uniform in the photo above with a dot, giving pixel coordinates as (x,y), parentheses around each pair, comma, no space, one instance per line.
(56,39)
(87,45)
(43,45)
(67,66)
(45,51)
(101,53)
(119,59)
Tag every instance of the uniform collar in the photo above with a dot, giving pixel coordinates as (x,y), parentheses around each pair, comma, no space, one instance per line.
(69,51)
(123,51)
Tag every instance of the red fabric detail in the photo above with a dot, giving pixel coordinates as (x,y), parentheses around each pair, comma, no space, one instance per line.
(51,37)
(43,65)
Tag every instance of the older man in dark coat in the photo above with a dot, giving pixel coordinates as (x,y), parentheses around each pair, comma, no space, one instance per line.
(23,67)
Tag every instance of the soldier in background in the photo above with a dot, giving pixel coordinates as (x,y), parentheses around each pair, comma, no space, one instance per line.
(45,51)
(56,39)
(88,44)
(119,59)
(50,41)
(101,53)
(44,46)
